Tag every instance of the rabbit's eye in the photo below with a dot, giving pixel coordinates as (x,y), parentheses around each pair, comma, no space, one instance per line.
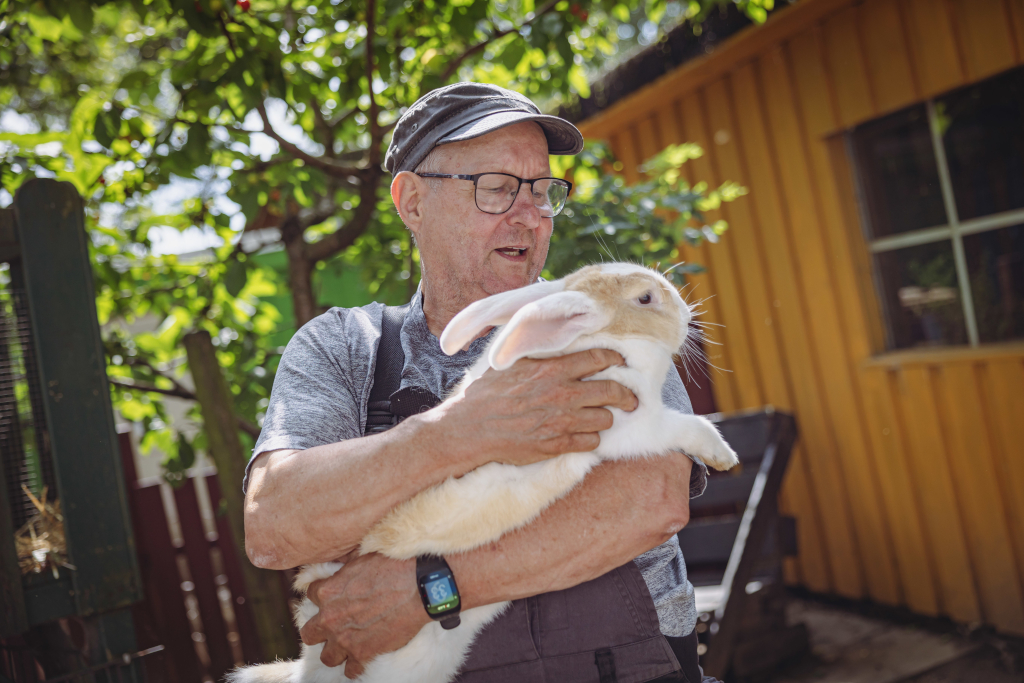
(644,298)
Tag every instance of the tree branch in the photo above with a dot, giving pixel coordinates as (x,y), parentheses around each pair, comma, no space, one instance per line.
(375,135)
(159,373)
(341,119)
(152,388)
(243,424)
(261,166)
(343,237)
(227,34)
(317,217)
(248,427)
(454,66)
(324,127)
(316,162)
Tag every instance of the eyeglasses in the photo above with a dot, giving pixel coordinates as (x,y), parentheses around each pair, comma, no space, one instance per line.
(497,192)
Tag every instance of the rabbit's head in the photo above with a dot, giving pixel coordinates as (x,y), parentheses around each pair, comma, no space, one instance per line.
(620,300)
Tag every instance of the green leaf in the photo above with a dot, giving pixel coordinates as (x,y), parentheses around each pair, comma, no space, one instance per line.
(80,12)
(202,23)
(135,80)
(28,140)
(513,54)
(384,57)
(538,38)
(235,277)
(57,8)
(195,149)
(463,24)
(564,49)
(108,126)
(186,454)
(47,28)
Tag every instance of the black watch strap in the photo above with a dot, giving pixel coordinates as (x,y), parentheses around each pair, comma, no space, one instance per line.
(428,564)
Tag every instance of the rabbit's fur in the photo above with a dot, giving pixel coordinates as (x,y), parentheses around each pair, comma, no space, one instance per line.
(602,306)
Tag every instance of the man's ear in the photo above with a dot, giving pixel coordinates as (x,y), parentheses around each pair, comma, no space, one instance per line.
(408,192)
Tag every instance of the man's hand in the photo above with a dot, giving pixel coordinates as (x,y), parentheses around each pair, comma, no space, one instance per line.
(537,409)
(371,606)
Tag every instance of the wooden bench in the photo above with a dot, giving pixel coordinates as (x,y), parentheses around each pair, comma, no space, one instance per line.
(734,545)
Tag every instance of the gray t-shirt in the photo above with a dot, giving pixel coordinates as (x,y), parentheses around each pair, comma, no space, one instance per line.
(323,385)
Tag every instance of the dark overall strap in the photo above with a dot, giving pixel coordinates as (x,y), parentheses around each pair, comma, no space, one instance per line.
(387,371)
(388,405)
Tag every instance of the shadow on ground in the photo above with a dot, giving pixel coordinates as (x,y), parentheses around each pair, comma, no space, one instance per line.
(857,643)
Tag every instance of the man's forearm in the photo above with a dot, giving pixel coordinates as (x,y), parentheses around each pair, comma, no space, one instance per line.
(621,510)
(316,505)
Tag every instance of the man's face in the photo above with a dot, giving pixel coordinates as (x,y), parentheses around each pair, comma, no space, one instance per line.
(477,253)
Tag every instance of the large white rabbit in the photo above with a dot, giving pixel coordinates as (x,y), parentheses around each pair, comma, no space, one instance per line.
(618,306)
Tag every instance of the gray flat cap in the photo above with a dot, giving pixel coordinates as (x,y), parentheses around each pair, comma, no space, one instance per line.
(463,111)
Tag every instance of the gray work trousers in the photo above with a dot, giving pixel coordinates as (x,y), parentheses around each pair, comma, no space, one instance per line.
(601,631)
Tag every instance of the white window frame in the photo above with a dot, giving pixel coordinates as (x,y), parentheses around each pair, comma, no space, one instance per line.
(953,230)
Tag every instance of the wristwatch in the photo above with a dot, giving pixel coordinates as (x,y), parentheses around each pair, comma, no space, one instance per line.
(438,590)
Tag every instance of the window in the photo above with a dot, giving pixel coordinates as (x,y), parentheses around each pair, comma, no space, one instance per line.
(942,190)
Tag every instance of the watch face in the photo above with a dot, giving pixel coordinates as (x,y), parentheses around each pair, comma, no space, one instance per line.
(439,593)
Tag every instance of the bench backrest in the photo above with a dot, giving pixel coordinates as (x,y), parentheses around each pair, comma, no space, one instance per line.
(708,540)
(741,536)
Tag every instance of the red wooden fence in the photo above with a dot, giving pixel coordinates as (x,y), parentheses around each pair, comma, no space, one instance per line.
(195,599)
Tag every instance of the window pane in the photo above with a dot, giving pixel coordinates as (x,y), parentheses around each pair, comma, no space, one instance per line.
(984,141)
(995,261)
(897,167)
(923,295)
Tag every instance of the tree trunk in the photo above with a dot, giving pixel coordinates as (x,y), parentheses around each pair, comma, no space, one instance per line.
(267,599)
(300,273)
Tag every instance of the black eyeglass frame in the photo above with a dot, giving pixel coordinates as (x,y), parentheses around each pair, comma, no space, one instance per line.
(477,176)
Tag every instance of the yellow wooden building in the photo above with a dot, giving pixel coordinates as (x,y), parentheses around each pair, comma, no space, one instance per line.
(843,118)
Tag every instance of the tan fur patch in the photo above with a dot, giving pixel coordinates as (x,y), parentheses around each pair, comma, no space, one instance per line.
(619,293)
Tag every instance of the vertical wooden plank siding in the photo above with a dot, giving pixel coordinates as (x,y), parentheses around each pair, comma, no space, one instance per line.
(983,509)
(648,138)
(776,211)
(883,40)
(844,58)
(828,364)
(885,430)
(985,35)
(1015,19)
(933,47)
(906,480)
(668,125)
(929,457)
(648,142)
(1002,381)
(745,241)
(735,341)
(841,333)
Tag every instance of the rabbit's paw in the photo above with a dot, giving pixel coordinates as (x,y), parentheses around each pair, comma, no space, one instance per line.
(706,443)
(721,456)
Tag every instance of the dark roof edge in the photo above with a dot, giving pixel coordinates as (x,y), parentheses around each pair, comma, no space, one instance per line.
(677,47)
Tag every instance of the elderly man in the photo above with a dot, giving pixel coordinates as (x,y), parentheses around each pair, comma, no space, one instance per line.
(598,584)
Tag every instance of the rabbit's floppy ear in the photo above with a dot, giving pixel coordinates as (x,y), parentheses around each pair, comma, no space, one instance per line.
(494,310)
(545,326)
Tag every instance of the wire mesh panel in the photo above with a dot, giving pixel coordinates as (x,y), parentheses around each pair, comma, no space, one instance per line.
(24,442)
(52,364)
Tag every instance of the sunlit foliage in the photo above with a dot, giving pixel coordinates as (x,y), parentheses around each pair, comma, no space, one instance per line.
(279,113)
